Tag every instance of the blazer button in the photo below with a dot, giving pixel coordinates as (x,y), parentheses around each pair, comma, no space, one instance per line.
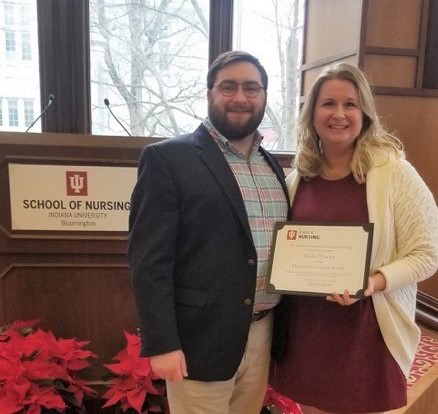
(251,262)
(247,301)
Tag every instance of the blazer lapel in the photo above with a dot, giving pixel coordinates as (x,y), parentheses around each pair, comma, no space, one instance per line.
(215,161)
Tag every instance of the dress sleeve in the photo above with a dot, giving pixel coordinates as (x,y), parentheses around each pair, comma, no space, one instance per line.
(415,218)
(153,226)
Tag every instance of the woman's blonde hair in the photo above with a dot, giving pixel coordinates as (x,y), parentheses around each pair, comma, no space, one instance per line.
(309,160)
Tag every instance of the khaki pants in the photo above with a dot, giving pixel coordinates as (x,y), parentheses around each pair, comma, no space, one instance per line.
(242,394)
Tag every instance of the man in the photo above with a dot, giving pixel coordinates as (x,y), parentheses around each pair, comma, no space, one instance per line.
(202,217)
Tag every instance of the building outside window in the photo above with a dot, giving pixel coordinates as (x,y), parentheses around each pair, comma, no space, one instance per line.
(28,113)
(19,64)
(10,45)
(13,112)
(9,14)
(26,47)
(25,15)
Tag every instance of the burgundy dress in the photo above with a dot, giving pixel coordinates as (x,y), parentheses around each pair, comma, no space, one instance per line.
(336,359)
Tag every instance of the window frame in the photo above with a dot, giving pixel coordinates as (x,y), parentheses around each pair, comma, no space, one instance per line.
(24,15)
(13,112)
(10,44)
(28,112)
(9,16)
(26,46)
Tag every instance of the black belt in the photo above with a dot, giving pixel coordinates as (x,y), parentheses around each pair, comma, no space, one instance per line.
(259,315)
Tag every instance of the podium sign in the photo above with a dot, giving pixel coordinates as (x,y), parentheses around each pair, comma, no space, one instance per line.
(70,197)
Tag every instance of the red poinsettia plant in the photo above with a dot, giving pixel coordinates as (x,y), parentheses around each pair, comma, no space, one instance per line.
(135,388)
(39,373)
(276,403)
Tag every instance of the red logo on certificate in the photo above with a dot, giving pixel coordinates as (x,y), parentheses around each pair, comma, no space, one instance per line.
(292,235)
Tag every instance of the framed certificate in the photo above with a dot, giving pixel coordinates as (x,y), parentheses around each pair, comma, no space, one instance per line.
(319,259)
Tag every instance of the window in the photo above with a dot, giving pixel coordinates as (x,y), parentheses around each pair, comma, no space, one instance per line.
(155,54)
(28,113)
(26,48)
(25,15)
(13,112)
(1,112)
(277,25)
(10,45)
(19,64)
(156,57)
(9,14)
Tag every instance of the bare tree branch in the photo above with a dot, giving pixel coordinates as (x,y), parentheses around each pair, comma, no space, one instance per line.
(200,15)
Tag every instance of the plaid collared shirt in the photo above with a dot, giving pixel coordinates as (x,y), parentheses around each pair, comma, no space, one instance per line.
(265,204)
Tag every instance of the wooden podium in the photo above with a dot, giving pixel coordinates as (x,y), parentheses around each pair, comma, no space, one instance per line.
(76,282)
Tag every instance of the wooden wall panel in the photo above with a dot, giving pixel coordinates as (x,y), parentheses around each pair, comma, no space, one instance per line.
(394,23)
(310,75)
(397,71)
(431,55)
(333,27)
(92,303)
(415,122)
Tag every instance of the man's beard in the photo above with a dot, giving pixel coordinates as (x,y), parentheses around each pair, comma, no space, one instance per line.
(234,131)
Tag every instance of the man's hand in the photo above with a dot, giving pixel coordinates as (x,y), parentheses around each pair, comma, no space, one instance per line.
(376,283)
(170,366)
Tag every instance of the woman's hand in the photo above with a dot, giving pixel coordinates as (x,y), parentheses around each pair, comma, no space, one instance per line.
(376,283)
(344,300)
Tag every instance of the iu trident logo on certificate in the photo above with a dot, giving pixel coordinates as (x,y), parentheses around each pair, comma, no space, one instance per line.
(292,234)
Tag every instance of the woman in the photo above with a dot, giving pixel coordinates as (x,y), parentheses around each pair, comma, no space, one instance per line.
(345,355)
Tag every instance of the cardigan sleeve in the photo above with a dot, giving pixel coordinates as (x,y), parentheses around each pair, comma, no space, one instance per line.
(415,217)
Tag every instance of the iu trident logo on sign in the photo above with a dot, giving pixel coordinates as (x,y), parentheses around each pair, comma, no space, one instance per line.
(77,184)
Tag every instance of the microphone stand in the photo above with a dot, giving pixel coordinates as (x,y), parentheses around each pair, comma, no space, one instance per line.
(51,100)
(107,104)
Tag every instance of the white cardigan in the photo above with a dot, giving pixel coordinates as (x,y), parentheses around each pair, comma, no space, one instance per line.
(405,248)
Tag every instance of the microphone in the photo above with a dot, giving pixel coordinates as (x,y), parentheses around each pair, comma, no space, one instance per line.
(51,100)
(107,104)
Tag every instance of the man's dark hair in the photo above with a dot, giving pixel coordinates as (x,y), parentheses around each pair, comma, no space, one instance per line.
(229,58)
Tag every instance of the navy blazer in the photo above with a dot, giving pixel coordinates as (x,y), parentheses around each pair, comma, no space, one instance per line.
(191,254)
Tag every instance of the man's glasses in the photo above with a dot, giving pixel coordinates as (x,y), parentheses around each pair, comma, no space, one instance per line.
(229,89)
